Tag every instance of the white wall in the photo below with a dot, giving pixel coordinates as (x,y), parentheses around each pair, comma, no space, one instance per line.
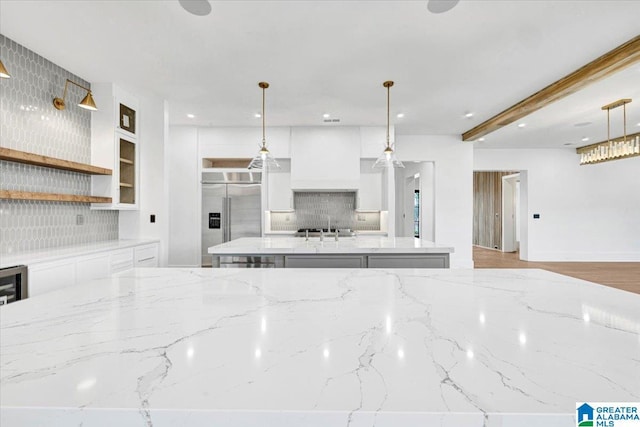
(153,179)
(453,176)
(587,213)
(184,195)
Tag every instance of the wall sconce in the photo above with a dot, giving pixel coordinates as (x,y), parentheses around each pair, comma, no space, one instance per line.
(87,102)
(3,72)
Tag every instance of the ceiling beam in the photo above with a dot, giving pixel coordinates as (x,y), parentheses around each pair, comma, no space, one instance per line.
(604,66)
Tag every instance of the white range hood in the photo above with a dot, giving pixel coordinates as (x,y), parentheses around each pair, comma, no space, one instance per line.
(325,158)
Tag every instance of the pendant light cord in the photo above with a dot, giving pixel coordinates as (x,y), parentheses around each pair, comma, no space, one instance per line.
(388,104)
(263,138)
(609,125)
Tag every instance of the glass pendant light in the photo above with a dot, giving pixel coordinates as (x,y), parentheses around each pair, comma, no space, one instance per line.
(264,159)
(388,157)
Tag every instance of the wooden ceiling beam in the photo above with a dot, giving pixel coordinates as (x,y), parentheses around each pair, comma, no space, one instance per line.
(611,62)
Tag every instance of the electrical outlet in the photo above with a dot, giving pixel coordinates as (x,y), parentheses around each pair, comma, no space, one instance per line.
(79,219)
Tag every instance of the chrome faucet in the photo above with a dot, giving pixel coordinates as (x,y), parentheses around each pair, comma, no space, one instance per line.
(306,235)
(321,235)
(336,235)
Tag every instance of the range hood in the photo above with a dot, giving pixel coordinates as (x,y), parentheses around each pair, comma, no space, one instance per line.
(325,158)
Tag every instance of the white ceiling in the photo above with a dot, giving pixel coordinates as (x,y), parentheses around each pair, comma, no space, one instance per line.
(332,57)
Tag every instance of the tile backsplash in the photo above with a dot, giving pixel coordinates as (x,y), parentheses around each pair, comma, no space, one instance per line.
(313,210)
(318,209)
(29,122)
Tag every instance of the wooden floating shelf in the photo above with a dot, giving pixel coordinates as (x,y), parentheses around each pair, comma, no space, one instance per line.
(127,161)
(124,184)
(50,162)
(51,197)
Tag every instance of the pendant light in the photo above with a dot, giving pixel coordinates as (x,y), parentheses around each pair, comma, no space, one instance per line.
(388,157)
(264,159)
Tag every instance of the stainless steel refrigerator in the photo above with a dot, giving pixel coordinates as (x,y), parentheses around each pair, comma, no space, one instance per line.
(231,208)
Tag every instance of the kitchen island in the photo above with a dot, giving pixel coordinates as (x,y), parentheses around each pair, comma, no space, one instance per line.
(346,252)
(291,347)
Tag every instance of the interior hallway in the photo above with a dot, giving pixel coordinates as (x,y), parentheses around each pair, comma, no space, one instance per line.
(620,275)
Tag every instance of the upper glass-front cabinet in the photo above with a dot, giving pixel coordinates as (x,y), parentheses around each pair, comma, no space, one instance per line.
(115,144)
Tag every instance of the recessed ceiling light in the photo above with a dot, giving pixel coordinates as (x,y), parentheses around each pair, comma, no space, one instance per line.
(191,116)
(326,115)
(257,115)
(521,125)
(481,139)
(585,139)
(400,115)
(638,124)
(468,115)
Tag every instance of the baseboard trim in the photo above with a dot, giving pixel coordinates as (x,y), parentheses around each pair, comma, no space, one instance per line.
(584,257)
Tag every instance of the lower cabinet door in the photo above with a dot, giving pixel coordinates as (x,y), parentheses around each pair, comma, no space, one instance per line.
(146,256)
(121,260)
(407,261)
(94,267)
(315,261)
(51,276)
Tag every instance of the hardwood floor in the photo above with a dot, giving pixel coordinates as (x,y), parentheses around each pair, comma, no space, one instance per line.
(620,275)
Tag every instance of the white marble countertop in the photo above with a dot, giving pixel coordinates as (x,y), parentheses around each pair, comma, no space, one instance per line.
(53,254)
(279,347)
(359,232)
(298,245)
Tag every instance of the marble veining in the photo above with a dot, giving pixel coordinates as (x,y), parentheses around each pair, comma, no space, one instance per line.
(278,347)
(299,245)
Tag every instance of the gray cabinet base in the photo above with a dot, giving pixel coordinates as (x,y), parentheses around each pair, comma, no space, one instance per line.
(349,261)
(322,261)
(409,261)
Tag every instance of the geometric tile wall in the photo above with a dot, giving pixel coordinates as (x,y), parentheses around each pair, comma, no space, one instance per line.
(315,209)
(29,122)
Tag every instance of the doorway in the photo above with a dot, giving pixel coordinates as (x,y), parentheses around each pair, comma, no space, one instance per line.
(510,212)
(415,200)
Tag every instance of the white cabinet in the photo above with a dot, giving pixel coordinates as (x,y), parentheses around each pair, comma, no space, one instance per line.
(76,270)
(325,158)
(370,189)
(50,276)
(115,144)
(280,196)
(121,260)
(92,267)
(146,256)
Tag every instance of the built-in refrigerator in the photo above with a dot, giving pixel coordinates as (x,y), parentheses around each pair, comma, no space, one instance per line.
(231,208)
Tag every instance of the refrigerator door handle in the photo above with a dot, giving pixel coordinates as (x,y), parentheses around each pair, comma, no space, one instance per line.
(224,219)
(228,213)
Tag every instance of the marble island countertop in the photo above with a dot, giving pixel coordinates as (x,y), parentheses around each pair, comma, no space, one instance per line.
(204,347)
(299,245)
